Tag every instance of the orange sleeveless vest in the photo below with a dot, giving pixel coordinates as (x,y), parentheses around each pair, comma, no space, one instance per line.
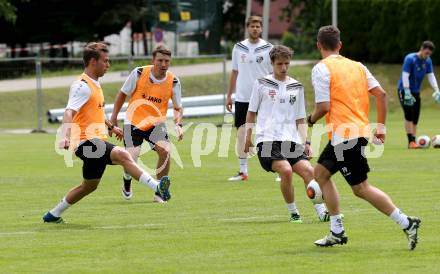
(349,98)
(89,121)
(148,104)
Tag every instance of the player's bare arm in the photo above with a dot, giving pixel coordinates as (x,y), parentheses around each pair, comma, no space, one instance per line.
(250,120)
(381,102)
(119,101)
(178,115)
(301,125)
(232,84)
(67,120)
(114,129)
(319,111)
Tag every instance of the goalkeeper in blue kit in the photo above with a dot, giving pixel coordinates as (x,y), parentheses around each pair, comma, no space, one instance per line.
(415,66)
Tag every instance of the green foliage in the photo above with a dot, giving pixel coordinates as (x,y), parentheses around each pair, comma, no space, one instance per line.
(288,39)
(307,17)
(7,11)
(373,30)
(234,16)
(301,44)
(385,31)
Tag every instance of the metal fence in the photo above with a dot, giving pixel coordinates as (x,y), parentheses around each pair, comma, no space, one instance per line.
(42,77)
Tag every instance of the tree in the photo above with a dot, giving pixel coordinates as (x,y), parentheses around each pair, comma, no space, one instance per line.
(305,18)
(234,13)
(7,11)
(59,22)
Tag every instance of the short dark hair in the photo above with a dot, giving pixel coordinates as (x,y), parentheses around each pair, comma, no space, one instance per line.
(254,19)
(161,49)
(329,37)
(93,51)
(428,45)
(280,51)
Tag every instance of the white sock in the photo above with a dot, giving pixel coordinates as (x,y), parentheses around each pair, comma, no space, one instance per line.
(320,209)
(149,181)
(127,176)
(400,218)
(336,225)
(243,165)
(60,208)
(292,208)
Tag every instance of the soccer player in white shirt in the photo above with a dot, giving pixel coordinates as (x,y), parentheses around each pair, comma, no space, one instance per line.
(250,61)
(281,129)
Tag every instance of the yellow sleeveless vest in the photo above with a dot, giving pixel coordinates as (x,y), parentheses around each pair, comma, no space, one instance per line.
(349,98)
(148,104)
(90,119)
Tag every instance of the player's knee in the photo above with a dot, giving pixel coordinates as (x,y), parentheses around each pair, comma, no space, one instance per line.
(321,174)
(163,149)
(319,177)
(359,190)
(121,155)
(285,171)
(89,186)
(308,174)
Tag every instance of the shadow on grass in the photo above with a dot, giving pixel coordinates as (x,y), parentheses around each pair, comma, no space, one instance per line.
(128,203)
(85,227)
(268,220)
(312,250)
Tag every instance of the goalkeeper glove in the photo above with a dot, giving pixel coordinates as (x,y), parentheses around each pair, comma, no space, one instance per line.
(408,98)
(436,96)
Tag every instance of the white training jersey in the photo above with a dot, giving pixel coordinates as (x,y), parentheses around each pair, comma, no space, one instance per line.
(321,81)
(79,94)
(131,82)
(252,62)
(278,105)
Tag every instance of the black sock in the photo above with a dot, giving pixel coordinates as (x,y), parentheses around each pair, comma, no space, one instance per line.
(127,184)
(411,138)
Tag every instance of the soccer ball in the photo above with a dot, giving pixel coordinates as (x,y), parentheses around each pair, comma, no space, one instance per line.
(423,141)
(314,192)
(435,141)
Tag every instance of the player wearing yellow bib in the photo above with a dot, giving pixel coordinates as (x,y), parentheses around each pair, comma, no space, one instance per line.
(149,88)
(84,131)
(342,88)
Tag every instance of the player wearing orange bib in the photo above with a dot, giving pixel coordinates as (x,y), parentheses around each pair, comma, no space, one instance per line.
(84,131)
(342,89)
(149,88)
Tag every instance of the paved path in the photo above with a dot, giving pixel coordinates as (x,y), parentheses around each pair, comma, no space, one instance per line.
(117,77)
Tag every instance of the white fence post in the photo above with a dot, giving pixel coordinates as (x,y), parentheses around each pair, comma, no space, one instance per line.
(39,97)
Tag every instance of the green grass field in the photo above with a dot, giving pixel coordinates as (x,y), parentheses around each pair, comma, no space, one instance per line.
(211,225)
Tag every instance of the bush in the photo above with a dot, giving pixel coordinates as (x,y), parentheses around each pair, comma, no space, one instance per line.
(304,46)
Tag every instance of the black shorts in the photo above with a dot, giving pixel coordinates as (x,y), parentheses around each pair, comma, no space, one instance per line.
(241,109)
(412,113)
(348,158)
(95,154)
(278,150)
(134,137)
